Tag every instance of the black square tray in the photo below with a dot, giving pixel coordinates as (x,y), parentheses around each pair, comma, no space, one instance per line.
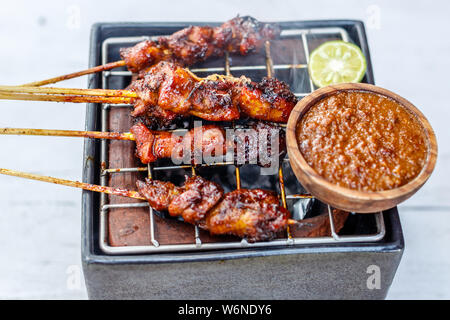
(306,271)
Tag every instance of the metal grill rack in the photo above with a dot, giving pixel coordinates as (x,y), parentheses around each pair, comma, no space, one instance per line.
(197,244)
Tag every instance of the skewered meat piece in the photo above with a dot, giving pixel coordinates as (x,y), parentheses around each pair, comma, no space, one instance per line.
(149,143)
(197,43)
(268,144)
(144,54)
(251,213)
(159,194)
(209,142)
(152,145)
(174,89)
(177,91)
(271,100)
(153,116)
(245,34)
(191,202)
(198,198)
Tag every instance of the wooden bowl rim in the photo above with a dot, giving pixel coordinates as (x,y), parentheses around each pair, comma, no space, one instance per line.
(307,102)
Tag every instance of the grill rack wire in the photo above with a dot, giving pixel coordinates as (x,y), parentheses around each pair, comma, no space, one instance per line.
(197,244)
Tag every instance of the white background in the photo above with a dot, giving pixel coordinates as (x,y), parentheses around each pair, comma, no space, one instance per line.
(40,223)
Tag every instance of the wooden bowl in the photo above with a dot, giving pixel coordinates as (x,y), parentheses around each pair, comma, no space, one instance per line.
(345,198)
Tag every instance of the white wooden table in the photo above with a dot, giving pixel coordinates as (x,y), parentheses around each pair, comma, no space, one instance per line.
(40,223)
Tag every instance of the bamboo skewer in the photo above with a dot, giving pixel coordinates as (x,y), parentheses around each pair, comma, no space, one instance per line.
(68,133)
(70,91)
(67,95)
(65,98)
(101,68)
(74,184)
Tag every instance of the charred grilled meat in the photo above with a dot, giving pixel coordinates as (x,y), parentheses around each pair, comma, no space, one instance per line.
(264,144)
(197,43)
(199,196)
(175,90)
(151,145)
(270,100)
(191,202)
(254,214)
(168,88)
(159,194)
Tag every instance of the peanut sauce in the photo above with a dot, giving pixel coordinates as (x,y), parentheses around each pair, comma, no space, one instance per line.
(363,141)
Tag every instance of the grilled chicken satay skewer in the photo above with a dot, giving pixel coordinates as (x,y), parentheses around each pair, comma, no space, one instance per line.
(150,145)
(258,216)
(252,213)
(188,46)
(168,91)
(208,140)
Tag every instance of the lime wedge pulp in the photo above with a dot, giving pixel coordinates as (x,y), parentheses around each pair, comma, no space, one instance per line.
(336,62)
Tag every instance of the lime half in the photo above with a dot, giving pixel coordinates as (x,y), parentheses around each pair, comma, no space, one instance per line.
(336,62)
